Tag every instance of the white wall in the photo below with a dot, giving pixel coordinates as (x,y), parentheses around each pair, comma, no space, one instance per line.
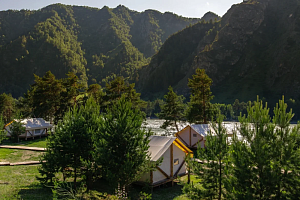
(165,166)
(185,135)
(178,154)
(196,139)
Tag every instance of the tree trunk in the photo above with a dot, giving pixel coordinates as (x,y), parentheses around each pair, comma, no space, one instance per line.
(220,179)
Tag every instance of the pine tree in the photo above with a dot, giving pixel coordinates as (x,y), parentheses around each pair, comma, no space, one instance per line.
(7,107)
(72,145)
(44,96)
(122,145)
(199,105)
(118,88)
(213,172)
(172,110)
(266,155)
(2,132)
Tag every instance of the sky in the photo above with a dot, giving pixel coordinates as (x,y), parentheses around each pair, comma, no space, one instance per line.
(185,8)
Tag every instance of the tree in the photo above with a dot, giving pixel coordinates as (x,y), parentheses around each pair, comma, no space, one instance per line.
(97,93)
(199,105)
(7,107)
(16,129)
(266,159)
(122,145)
(118,88)
(213,172)
(71,88)
(72,145)
(44,96)
(50,98)
(2,132)
(172,110)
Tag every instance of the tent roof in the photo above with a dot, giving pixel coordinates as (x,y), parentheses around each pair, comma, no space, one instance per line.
(34,123)
(160,144)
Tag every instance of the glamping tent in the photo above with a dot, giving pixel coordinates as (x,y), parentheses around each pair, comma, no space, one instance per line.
(173,153)
(194,135)
(35,127)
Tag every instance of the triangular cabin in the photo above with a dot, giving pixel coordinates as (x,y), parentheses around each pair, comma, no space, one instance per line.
(193,136)
(173,165)
(35,127)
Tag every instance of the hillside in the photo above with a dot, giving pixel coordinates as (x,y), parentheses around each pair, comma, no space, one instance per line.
(251,51)
(96,44)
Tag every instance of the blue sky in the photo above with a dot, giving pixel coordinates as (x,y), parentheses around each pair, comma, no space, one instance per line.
(186,8)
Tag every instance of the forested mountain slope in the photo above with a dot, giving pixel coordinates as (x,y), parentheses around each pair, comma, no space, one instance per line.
(93,43)
(253,50)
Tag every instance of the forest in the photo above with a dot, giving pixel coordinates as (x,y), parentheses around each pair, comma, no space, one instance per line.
(90,123)
(97,74)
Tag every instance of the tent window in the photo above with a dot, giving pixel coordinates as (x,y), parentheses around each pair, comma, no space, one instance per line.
(37,130)
(176,161)
(194,135)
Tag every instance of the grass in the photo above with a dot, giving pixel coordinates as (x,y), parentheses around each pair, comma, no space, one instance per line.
(19,182)
(30,142)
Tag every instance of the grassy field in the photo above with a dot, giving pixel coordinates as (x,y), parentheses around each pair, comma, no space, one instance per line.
(30,142)
(19,182)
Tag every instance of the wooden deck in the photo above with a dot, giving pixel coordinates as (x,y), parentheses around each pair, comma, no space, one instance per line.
(23,148)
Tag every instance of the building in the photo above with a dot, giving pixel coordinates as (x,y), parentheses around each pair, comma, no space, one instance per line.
(173,152)
(34,127)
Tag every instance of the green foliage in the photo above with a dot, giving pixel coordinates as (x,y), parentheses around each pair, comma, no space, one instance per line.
(2,132)
(50,98)
(16,129)
(199,106)
(92,43)
(172,110)
(267,161)
(172,61)
(7,107)
(122,145)
(71,146)
(117,88)
(214,170)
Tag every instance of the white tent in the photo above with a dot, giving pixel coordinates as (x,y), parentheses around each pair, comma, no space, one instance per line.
(194,135)
(33,127)
(173,153)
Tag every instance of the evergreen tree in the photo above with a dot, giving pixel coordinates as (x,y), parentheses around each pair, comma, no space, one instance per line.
(2,132)
(266,155)
(97,93)
(72,146)
(199,105)
(119,87)
(122,148)
(172,110)
(44,96)
(7,107)
(213,171)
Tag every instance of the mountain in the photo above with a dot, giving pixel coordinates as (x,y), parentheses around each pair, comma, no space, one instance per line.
(96,44)
(253,50)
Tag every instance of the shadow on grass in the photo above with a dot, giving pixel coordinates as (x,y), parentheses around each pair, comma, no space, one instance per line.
(23,141)
(35,192)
